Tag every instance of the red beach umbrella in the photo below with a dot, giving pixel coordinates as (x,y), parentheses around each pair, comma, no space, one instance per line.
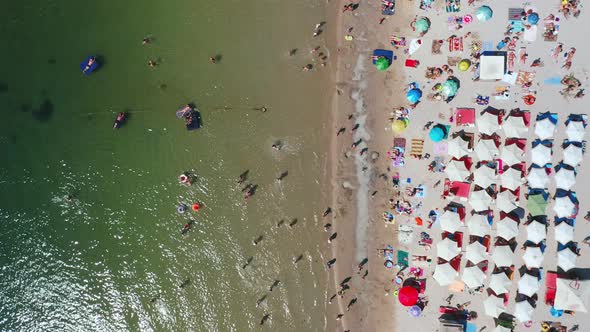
(408,296)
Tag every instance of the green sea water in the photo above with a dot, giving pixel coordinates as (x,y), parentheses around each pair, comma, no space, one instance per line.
(112,259)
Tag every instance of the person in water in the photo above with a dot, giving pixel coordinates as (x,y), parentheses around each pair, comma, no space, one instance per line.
(146,40)
(119,121)
(187,227)
(89,64)
(152,63)
(213,60)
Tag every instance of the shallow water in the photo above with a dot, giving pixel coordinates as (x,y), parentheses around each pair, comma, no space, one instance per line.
(112,259)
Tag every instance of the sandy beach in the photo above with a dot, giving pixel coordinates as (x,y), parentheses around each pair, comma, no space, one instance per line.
(362,184)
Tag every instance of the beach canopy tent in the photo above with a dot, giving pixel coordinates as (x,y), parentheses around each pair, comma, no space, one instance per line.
(533,257)
(528,285)
(478,225)
(488,123)
(565,178)
(476,253)
(523,311)
(537,204)
(572,155)
(545,128)
(573,295)
(484,13)
(500,283)
(515,126)
(414,95)
(473,276)
(512,154)
(408,296)
(458,147)
(447,249)
(493,306)
(538,178)
(480,200)
(564,207)
(511,178)
(492,65)
(444,274)
(450,221)
(541,155)
(503,256)
(486,149)
(422,25)
(566,259)
(438,133)
(484,176)
(536,232)
(575,131)
(456,170)
(507,229)
(564,233)
(505,201)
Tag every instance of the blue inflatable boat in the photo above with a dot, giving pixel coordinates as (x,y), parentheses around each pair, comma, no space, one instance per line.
(89,65)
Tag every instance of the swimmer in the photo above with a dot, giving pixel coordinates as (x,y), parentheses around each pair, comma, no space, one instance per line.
(257,240)
(213,60)
(89,64)
(250,259)
(260,300)
(327,212)
(277,146)
(307,67)
(264,319)
(146,40)
(243,177)
(327,227)
(185,283)
(152,63)
(274,284)
(293,222)
(356,126)
(187,227)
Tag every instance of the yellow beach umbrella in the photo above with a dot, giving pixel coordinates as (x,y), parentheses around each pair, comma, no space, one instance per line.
(464,65)
(399,126)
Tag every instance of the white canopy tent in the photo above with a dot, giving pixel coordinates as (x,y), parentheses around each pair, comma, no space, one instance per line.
(488,123)
(564,233)
(486,149)
(476,253)
(450,221)
(566,259)
(514,126)
(444,274)
(492,66)
(493,306)
(564,207)
(473,276)
(572,155)
(523,311)
(478,225)
(572,295)
(501,328)
(536,232)
(484,176)
(480,200)
(541,155)
(507,229)
(533,257)
(575,131)
(538,178)
(528,285)
(500,283)
(456,170)
(512,154)
(458,147)
(447,249)
(565,178)
(503,256)
(544,128)
(511,178)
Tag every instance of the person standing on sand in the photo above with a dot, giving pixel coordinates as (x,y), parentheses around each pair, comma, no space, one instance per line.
(331,263)
(332,298)
(332,237)
(341,131)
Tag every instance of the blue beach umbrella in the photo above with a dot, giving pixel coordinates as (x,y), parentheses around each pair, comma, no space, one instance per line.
(484,13)
(555,313)
(437,133)
(533,18)
(414,95)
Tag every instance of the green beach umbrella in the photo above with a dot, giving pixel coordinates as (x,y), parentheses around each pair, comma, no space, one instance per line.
(382,64)
(450,88)
(536,204)
(484,13)
(422,25)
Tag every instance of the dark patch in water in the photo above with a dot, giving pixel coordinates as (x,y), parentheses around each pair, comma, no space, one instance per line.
(3,87)
(163,86)
(44,112)
(51,61)
(13,139)
(25,108)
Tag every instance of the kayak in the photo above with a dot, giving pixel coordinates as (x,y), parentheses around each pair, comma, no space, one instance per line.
(86,68)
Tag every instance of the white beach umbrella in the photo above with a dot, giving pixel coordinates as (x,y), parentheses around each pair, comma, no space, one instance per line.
(575,131)
(528,285)
(458,147)
(514,126)
(487,123)
(506,201)
(564,233)
(493,306)
(507,229)
(523,311)
(456,170)
(536,232)
(566,259)
(541,155)
(565,178)
(486,149)
(476,252)
(503,256)
(478,225)
(501,328)
(444,274)
(544,128)
(511,179)
(512,154)
(538,178)
(484,176)
(533,257)
(473,276)
(450,221)
(571,295)
(500,283)
(572,155)
(447,249)
(564,207)
(480,200)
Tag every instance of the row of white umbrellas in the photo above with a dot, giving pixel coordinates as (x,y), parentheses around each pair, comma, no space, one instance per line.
(572,155)
(513,126)
(574,130)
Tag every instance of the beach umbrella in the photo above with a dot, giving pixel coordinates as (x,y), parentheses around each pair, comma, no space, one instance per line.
(484,176)
(464,64)
(500,283)
(507,229)
(575,131)
(398,126)
(501,328)
(414,95)
(476,252)
(536,204)
(503,256)
(571,295)
(565,178)
(488,123)
(444,274)
(422,25)
(533,18)
(511,178)
(515,126)
(414,45)
(528,285)
(566,259)
(447,249)
(505,201)
(538,178)
(450,221)
(564,233)
(512,154)
(564,207)
(533,258)
(544,128)
(480,200)
(484,13)
(541,155)
(493,306)
(408,296)
(523,311)
(572,155)
(456,170)
(486,149)
(458,147)
(473,276)
(415,311)
(437,133)
(450,88)
(382,63)
(536,232)
(478,225)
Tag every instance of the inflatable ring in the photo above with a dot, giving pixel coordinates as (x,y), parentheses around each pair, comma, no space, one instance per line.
(196,207)
(180,208)
(183,178)
(528,323)
(529,99)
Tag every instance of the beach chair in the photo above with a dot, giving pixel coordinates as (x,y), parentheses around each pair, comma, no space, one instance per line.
(417,146)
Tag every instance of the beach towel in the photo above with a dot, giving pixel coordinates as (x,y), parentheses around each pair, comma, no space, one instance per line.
(476,45)
(455,44)
(515,13)
(402,258)
(397,40)
(452,6)
(416,147)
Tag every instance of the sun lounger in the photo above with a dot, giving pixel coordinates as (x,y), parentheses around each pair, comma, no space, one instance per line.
(416,147)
